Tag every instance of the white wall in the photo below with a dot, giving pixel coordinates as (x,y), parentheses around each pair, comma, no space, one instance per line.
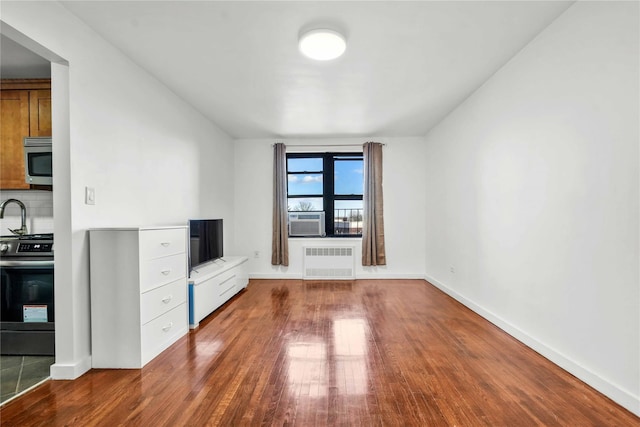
(404,204)
(532,197)
(145,151)
(217,187)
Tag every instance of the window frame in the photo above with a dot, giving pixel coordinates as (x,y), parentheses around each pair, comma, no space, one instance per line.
(328,185)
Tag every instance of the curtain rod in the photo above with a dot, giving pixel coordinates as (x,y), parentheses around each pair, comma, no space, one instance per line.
(325,145)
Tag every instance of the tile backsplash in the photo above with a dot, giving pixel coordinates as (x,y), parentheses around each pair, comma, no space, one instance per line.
(39,204)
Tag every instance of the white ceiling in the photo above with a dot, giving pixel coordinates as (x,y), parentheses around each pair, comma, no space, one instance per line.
(406,66)
(16,62)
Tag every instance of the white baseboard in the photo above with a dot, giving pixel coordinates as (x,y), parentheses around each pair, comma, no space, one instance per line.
(623,397)
(388,276)
(274,276)
(70,371)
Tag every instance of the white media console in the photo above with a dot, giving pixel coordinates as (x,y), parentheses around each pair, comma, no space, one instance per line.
(213,284)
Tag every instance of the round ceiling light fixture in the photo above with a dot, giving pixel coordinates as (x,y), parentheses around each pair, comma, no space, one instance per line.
(322,44)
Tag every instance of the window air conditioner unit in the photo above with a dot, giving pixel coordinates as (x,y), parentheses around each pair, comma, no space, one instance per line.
(306,224)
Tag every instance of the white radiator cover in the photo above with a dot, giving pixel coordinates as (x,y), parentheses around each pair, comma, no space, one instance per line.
(329,262)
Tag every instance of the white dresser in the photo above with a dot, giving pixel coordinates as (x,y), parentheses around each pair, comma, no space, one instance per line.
(138,293)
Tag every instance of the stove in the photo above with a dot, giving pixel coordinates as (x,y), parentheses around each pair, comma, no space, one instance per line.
(27,325)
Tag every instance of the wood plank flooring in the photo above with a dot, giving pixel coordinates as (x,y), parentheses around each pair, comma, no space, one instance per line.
(367,352)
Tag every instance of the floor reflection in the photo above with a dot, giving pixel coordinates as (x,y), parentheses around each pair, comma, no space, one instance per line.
(350,349)
(339,362)
(207,349)
(308,367)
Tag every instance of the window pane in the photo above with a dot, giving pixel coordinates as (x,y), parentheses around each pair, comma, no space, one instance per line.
(304,165)
(348,177)
(349,209)
(347,217)
(301,184)
(304,204)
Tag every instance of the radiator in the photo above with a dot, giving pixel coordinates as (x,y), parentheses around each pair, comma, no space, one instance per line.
(327,262)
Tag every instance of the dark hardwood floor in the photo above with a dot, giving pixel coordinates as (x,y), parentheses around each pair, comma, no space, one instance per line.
(368,352)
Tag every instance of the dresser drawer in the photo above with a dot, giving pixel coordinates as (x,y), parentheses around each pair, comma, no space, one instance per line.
(158,301)
(158,272)
(163,331)
(161,243)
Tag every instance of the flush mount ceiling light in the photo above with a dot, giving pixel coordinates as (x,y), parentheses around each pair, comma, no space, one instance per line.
(322,45)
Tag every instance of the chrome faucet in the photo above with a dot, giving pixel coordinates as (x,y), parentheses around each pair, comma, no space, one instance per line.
(23,216)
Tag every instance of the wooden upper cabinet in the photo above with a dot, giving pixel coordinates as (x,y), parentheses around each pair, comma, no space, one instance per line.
(25,110)
(40,113)
(14,111)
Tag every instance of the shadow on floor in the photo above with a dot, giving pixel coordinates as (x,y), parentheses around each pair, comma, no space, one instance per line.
(18,373)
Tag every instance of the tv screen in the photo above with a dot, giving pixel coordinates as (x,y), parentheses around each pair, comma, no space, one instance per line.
(205,241)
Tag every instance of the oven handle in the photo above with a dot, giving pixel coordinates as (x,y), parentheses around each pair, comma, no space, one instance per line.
(26,263)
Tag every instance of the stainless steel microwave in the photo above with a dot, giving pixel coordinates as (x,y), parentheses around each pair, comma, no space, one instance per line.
(38,165)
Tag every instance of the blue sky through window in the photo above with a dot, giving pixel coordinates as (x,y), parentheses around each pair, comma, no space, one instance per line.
(348,177)
(305,184)
(304,165)
(300,184)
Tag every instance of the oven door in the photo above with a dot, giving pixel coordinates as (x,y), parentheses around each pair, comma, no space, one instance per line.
(27,309)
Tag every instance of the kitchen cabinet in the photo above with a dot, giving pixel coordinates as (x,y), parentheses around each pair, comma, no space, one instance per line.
(25,110)
(40,112)
(138,293)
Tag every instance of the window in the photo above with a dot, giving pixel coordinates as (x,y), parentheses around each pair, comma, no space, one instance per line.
(329,182)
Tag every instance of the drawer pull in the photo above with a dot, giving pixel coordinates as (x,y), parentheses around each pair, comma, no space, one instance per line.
(169,326)
(167,299)
(165,244)
(226,280)
(166,272)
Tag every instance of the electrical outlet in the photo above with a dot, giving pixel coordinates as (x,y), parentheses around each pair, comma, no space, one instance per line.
(89,196)
(451,269)
(256,254)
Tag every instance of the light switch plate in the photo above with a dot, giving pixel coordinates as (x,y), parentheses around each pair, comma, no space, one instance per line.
(89,196)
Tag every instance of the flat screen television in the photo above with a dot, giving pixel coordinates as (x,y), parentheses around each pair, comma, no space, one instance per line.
(205,241)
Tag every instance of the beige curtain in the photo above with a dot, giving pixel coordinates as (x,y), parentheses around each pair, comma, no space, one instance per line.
(373,252)
(280,234)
